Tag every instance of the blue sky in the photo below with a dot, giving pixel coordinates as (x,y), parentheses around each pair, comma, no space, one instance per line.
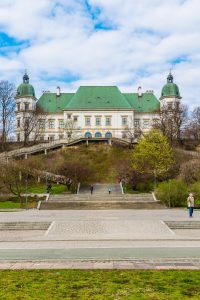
(102,42)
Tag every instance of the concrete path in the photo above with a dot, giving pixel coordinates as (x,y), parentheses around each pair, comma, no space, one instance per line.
(90,239)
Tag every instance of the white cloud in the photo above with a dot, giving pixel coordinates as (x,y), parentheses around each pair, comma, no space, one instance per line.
(145,38)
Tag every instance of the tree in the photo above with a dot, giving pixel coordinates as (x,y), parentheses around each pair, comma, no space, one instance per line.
(7,110)
(32,123)
(71,129)
(171,121)
(133,132)
(153,155)
(14,175)
(192,130)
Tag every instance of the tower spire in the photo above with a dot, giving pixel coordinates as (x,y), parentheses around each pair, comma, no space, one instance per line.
(25,77)
(170,78)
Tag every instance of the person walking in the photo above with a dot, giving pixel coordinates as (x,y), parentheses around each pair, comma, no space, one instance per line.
(190,203)
(109,190)
(91,189)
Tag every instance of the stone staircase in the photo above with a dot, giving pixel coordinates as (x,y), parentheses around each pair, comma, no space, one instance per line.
(101,189)
(183,224)
(10,226)
(100,199)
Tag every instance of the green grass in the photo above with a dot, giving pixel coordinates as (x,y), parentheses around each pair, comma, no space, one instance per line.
(41,189)
(14,203)
(9,205)
(99,284)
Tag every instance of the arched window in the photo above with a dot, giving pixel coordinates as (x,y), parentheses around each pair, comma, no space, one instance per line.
(98,135)
(88,135)
(108,135)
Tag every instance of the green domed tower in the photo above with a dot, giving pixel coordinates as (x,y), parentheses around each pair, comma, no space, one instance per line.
(25,89)
(170,89)
(25,105)
(170,92)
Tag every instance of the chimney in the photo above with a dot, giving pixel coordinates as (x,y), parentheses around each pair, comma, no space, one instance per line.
(139,91)
(58,91)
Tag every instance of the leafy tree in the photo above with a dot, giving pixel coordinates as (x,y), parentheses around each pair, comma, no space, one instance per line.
(153,155)
(14,175)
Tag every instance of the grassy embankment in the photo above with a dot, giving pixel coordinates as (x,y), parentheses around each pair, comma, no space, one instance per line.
(99,284)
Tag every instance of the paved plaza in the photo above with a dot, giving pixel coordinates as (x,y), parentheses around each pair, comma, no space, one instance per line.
(101,239)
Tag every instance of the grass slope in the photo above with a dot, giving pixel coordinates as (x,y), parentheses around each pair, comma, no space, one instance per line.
(99,284)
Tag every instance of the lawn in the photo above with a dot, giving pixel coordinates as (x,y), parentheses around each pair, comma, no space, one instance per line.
(41,189)
(99,284)
(13,203)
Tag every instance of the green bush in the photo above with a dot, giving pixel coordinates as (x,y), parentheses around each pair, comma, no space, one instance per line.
(195,189)
(145,187)
(172,193)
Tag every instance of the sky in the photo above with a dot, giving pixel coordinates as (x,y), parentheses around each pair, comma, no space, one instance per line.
(128,43)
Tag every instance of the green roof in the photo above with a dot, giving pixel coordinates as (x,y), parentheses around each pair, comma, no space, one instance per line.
(51,103)
(170,90)
(145,103)
(98,97)
(25,90)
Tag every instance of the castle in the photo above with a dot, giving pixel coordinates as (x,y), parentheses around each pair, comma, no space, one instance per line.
(90,112)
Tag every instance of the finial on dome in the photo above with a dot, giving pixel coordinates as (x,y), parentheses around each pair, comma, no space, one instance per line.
(25,77)
(170,78)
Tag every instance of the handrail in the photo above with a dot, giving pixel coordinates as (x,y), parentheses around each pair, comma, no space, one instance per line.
(43,146)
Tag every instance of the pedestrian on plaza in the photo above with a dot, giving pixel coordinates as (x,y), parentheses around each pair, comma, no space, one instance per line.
(91,189)
(109,190)
(190,203)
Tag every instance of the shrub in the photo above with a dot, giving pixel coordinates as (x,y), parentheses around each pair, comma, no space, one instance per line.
(145,187)
(195,189)
(172,193)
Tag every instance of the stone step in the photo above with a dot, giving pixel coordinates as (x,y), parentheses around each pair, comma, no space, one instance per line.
(183,224)
(57,205)
(147,197)
(8,226)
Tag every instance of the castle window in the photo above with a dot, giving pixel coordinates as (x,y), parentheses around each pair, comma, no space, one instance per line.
(124,121)
(42,124)
(98,121)
(61,124)
(51,124)
(146,123)
(26,106)
(18,106)
(69,116)
(108,121)
(87,121)
(169,106)
(18,137)
(18,122)
(75,118)
(51,138)
(137,123)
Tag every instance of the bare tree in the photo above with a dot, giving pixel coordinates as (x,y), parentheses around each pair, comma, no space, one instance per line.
(7,110)
(133,131)
(172,120)
(71,129)
(192,130)
(31,124)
